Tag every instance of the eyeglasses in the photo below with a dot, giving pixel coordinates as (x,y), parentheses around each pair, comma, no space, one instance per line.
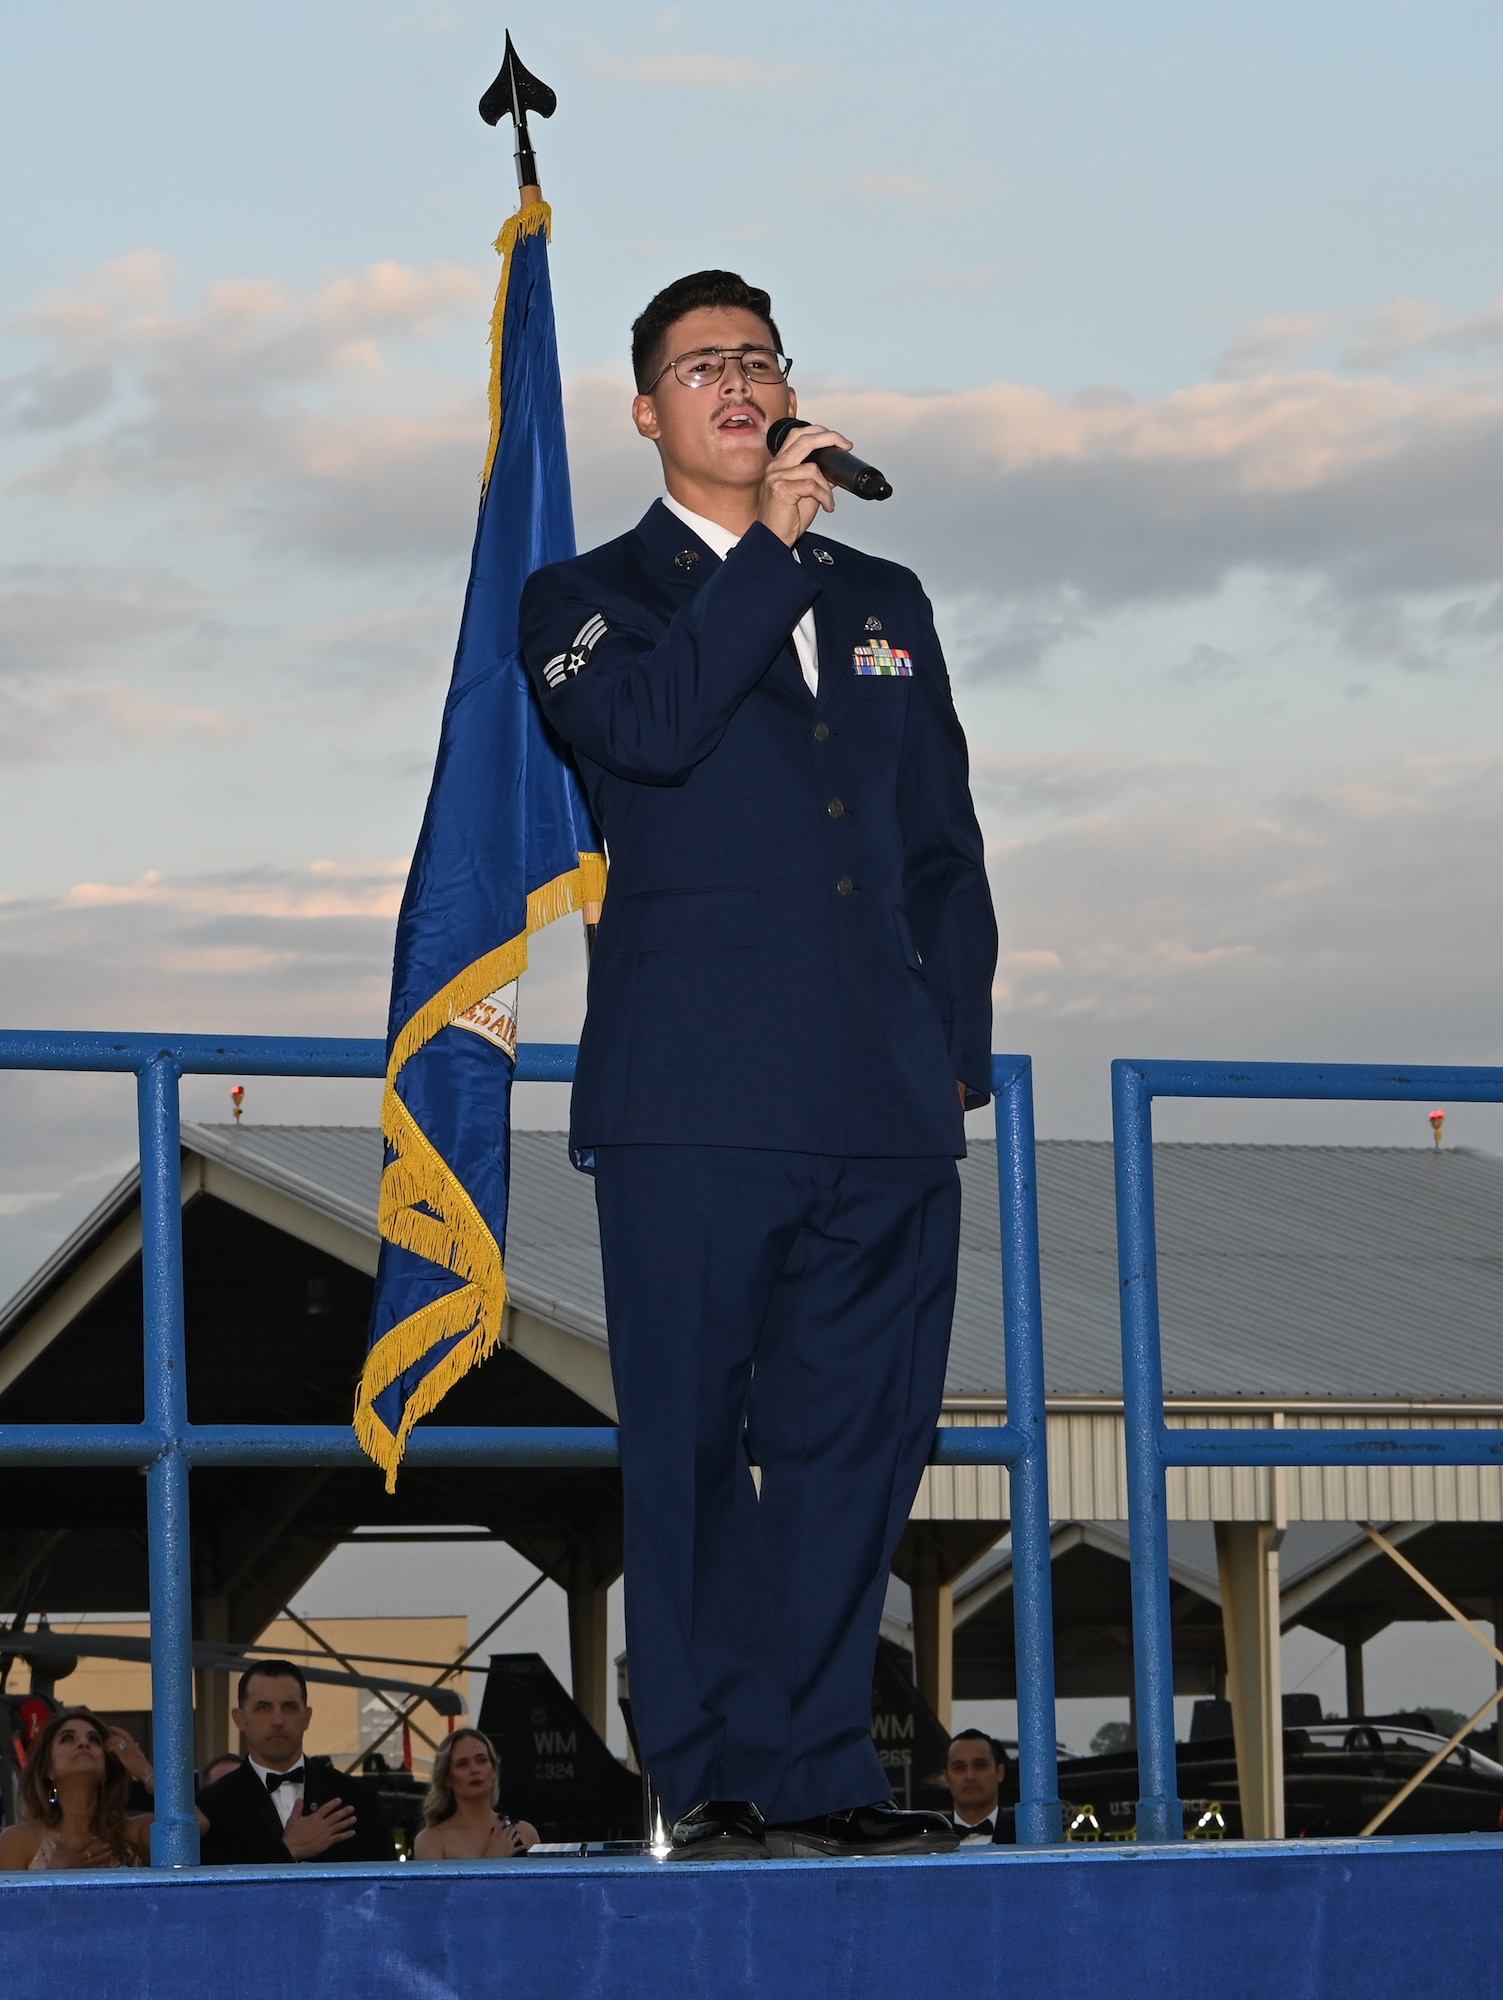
(706,365)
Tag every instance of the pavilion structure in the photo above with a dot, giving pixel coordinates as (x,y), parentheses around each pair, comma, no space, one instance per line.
(1301,1286)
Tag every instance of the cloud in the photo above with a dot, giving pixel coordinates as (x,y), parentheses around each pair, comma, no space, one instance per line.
(326,889)
(1374,486)
(56,619)
(256,949)
(47,399)
(616,474)
(1066,785)
(1270,346)
(895,187)
(1152,914)
(1155,909)
(1418,638)
(698,70)
(987,639)
(1208,663)
(88,723)
(73,643)
(279,415)
(1042,509)
(1409,327)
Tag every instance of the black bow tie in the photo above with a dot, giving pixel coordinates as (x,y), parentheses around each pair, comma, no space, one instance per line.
(292,1777)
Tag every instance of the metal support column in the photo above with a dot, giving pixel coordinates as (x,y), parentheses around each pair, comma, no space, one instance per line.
(1247,1559)
(174,1833)
(588,1603)
(211,1686)
(934,1645)
(1160,1816)
(1040,1820)
(1356,1684)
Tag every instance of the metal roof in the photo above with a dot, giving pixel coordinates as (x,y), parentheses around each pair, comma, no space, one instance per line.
(336,1169)
(1349,1273)
(552,1251)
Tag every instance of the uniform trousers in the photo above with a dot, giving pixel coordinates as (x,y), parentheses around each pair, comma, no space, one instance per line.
(788,1312)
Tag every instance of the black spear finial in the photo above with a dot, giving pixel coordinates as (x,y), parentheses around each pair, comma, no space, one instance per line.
(515,92)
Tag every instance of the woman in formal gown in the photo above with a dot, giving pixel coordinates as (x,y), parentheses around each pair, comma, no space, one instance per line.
(460,1817)
(73,1794)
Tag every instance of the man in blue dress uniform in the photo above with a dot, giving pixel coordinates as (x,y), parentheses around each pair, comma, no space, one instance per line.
(789,1010)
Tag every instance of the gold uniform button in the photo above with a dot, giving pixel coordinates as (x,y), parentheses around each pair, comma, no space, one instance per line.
(821,732)
(836,809)
(845,886)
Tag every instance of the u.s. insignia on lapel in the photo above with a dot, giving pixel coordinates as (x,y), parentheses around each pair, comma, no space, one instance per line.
(892,662)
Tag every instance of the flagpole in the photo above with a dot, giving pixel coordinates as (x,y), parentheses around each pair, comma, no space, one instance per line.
(514,93)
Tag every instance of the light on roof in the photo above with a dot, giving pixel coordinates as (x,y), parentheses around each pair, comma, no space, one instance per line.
(237,1098)
(1437,1125)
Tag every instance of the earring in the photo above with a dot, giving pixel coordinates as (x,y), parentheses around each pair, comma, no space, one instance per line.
(52,1793)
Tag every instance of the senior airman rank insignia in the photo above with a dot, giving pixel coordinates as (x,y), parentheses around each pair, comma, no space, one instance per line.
(880,658)
(563,666)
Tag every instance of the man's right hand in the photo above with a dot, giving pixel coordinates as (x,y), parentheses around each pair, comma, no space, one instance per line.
(307,1835)
(793,490)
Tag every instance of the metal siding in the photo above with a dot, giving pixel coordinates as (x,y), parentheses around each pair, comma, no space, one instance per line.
(1088,1478)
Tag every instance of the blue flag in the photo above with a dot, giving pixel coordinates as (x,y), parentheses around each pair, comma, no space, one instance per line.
(507,845)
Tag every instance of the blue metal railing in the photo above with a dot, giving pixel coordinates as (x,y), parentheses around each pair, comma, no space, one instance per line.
(167,1445)
(1152,1447)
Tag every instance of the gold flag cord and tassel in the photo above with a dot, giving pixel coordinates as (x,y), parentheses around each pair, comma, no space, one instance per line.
(425,1208)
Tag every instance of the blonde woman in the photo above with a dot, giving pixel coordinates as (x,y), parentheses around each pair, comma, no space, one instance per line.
(73,1799)
(460,1821)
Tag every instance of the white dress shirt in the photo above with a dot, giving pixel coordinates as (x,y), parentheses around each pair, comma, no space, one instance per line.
(288,1794)
(720,541)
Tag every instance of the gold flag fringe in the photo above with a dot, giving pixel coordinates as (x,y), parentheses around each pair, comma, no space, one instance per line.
(526,222)
(425,1207)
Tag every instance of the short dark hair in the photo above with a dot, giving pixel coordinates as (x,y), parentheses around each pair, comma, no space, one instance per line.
(975,1736)
(272,1670)
(686,295)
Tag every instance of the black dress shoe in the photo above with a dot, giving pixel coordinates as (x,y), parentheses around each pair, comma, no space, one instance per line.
(880,1829)
(720,1830)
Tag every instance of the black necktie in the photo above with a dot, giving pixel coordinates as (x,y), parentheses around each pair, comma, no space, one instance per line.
(292,1777)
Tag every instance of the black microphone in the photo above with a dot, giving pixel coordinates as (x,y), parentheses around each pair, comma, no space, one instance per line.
(841,468)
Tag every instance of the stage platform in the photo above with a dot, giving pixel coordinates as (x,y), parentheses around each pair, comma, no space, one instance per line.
(1304,1920)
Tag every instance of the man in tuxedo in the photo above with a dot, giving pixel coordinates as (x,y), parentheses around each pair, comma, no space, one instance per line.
(789,1013)
(974,1770)
(279,1805)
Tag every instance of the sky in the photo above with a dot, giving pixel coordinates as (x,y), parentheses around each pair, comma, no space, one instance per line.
(1178,329)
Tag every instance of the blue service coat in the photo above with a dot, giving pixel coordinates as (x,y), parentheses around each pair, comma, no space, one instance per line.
(798,943)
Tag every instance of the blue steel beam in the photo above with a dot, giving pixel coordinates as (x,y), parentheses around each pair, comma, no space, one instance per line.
(167,1445)
(1159,1814)
(242,1055)
(539,1445)
(1337,1082)
(1331,1447)
(595,1445)
(174,1830)
(1152,1445)
(1039,1818)
(194,1055)
(81,1444)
